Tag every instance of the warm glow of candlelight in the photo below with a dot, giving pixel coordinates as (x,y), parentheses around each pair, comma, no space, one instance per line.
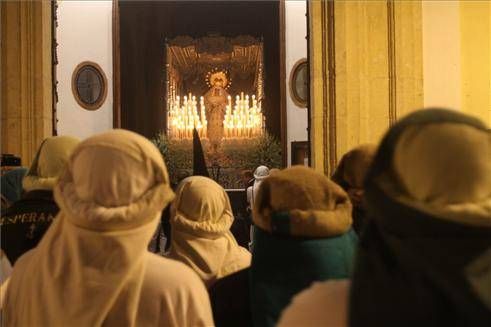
(243,119)
(184,117)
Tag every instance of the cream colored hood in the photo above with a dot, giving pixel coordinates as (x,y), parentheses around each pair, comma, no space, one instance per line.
(89,267)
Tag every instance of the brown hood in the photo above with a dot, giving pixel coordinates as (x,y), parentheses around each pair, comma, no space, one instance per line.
(316,206)
(354,165)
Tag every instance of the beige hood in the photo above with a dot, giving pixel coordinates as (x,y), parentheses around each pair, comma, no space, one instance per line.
(201,219)
(88,269)
(49,163)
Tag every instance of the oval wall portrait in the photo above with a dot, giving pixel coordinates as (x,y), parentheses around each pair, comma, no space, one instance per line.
(89,85)
(299,88)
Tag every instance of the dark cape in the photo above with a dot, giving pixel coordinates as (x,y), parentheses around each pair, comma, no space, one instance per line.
(25,222)
(414,269)
(229,299)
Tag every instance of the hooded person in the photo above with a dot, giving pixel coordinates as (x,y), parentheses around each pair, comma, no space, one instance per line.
(425,255)
(11,184)
(92,267)
(303,234)
(201,217)
(260,174)
(350,175)
(24,223)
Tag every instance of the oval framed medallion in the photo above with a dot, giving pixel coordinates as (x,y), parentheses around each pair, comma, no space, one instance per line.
(299,88)
(89,85)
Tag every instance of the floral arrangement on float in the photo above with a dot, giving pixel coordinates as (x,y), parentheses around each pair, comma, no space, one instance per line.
(235,156)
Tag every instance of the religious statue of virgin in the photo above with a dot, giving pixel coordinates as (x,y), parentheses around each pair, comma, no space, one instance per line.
(216,103)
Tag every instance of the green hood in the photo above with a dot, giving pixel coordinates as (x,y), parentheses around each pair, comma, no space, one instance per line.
(416,255)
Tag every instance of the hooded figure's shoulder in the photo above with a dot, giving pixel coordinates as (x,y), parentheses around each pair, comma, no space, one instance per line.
(171,273)
(175,292)
(322,304)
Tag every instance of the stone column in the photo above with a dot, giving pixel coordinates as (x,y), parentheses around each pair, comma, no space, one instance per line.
(322,86)
(475,56)
(408,54)
(26,76)
(365,70)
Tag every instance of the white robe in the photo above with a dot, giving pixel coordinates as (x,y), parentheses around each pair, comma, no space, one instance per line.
(92,266)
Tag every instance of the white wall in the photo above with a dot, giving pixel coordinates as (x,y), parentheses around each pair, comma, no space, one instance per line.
(296,48)
(84,33)
(441,54)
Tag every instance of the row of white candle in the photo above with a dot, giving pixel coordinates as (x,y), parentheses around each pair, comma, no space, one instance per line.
(182,119)
(244,120)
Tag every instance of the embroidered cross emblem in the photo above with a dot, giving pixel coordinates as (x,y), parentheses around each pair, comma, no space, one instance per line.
(30,234)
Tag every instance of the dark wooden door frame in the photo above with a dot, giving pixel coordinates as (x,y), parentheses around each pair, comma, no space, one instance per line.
(309,110)
(282,45)
(54,64)
(116,67)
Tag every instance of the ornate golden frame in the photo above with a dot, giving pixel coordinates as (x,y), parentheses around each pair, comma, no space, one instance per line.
(293,90)
(102,97)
